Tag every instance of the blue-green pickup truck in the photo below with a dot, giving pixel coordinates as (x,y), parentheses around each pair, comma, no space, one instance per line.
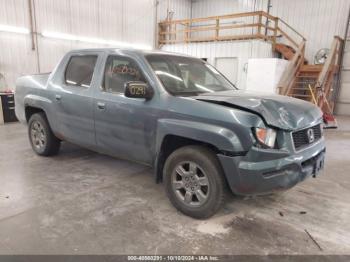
(178,114)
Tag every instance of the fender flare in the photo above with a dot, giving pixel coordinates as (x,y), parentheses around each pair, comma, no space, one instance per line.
(36,101)
(40,102)
(220,137)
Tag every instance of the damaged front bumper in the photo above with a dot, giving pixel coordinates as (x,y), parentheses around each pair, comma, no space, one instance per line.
(265,170)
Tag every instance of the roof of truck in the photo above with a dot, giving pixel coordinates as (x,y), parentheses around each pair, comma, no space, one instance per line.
(127,50)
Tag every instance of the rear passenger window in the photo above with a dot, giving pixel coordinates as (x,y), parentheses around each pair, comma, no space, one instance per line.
(80,69)
(118,71)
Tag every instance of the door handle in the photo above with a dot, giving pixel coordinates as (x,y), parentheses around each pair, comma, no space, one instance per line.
(58,97)
(101,105)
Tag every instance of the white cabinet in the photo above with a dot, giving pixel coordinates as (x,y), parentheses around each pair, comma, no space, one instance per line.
(264,74)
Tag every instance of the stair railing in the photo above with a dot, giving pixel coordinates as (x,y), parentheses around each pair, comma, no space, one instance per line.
(292,34)
(240,26)
(289,74)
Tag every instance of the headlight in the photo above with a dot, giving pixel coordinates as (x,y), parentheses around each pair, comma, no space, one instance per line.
(266,136)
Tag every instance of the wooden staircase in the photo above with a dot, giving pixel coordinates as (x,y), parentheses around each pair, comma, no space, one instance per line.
(306,75)
(300,76)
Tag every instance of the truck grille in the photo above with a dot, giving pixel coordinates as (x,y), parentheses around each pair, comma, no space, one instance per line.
(301,137)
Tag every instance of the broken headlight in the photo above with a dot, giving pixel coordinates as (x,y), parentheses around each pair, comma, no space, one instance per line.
(265,136)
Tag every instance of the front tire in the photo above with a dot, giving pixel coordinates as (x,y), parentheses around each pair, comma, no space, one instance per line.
(41,137)
(194,181)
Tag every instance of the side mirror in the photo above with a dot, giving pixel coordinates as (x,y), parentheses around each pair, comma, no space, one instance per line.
(138,89)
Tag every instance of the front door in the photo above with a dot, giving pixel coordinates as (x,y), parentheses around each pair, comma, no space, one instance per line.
(125,127)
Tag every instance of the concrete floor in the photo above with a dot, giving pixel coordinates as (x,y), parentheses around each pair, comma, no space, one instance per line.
(80,202)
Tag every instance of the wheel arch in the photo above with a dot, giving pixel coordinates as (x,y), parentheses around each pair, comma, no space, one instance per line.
(31,110)
(37,103)
(173,134)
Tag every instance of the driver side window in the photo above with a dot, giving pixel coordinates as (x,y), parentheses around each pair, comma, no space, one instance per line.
(118,71)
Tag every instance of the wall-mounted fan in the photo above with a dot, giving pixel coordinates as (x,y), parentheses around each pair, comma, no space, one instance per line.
(321,56)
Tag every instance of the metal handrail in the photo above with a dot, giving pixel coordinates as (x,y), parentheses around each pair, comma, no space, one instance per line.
(332,59)
(293,29)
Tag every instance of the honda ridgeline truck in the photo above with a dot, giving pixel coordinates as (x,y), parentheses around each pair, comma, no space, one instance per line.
(179,115)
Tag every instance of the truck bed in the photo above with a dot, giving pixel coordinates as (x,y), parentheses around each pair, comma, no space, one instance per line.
(30,85)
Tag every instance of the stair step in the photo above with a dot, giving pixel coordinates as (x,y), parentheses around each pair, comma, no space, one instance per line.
(297,95)
(285,50)
(300,74)
(306,79)
(310,70)
(307,76)
(304,84)
(300,88)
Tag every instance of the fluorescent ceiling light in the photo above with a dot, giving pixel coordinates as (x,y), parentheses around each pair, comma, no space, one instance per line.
(14,29)
(92,40)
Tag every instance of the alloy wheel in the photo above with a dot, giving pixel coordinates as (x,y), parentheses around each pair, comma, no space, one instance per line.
(38,135)
(190,183)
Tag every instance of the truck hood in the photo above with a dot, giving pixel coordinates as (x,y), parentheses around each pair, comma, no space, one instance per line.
(279,111)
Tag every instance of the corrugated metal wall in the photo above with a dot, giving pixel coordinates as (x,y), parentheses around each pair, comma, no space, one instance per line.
(317,20)
(131,21)
(203,8)
(181,9)
(16,56)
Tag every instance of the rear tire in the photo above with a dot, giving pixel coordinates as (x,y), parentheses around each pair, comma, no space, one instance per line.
(41,137)
(194,181)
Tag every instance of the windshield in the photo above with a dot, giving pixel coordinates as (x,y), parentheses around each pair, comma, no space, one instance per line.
(187,76)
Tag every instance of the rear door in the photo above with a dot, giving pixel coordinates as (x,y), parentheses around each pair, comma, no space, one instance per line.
(73,99)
